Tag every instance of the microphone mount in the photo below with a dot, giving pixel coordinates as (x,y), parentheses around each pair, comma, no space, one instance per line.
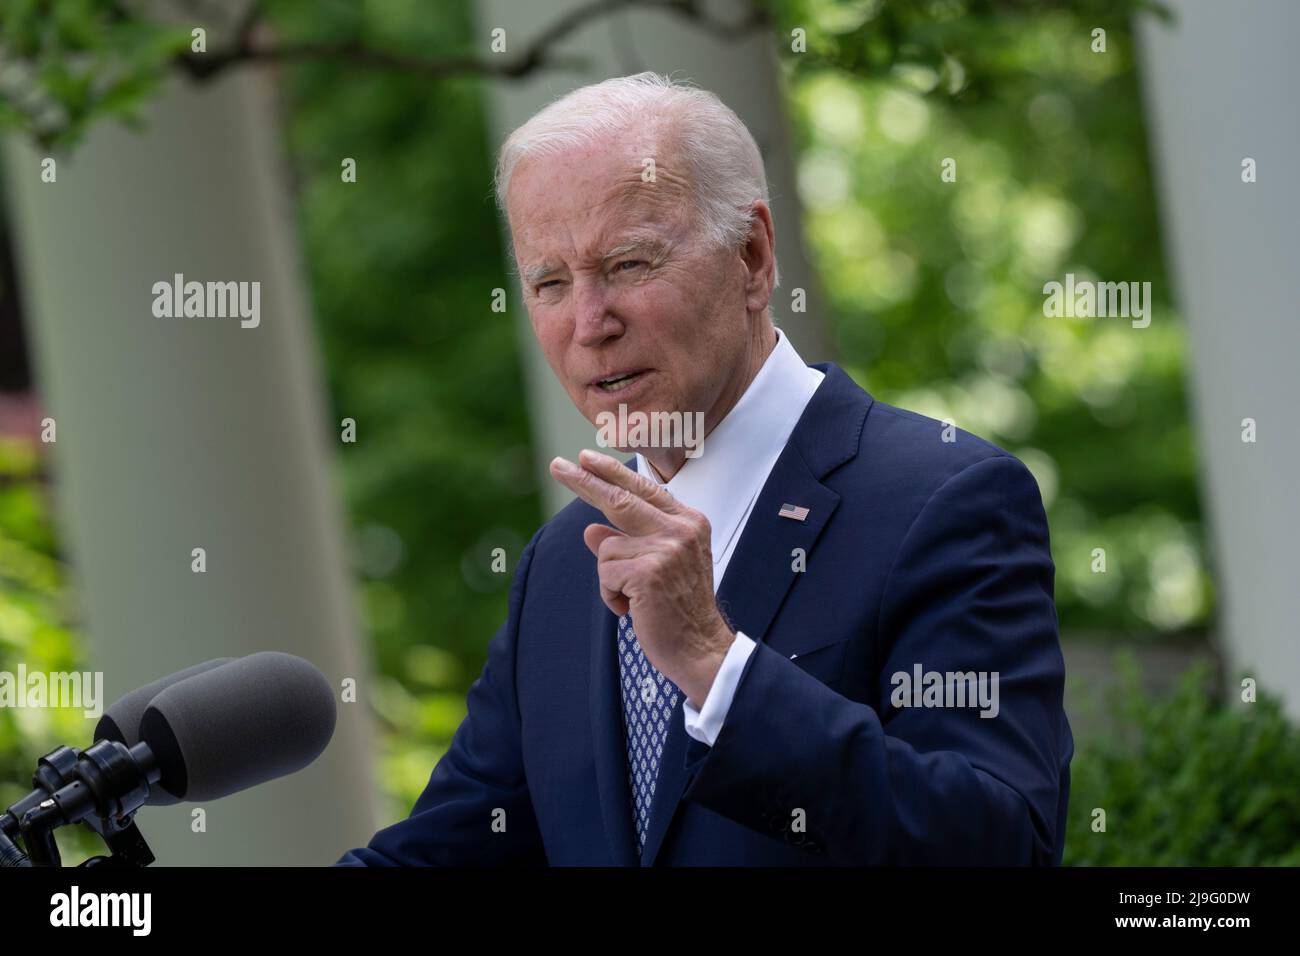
(102,786)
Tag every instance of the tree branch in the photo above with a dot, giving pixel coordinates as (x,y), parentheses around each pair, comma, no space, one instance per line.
(538,54)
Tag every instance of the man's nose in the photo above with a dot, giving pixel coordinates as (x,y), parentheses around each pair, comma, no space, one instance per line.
(594,322)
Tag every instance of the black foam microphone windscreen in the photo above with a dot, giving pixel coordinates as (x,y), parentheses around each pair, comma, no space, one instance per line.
(121,721)
(232,727)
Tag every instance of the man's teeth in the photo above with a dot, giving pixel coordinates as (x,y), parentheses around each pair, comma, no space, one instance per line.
(611,383)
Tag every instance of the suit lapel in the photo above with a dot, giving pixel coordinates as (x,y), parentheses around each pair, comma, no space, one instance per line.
(762,569)
(608,734)
(758,578)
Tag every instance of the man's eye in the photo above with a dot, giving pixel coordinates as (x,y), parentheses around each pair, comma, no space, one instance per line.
(628,262)
(548,282)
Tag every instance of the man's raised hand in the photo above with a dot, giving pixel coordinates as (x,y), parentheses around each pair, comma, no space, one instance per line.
(655,563)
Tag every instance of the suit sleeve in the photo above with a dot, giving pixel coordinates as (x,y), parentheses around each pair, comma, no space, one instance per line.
(970,590)
(475,810)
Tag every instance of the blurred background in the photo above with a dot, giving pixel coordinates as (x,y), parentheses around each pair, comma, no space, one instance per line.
(363,469)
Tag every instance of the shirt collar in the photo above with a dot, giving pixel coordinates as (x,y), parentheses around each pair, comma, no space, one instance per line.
(738,454)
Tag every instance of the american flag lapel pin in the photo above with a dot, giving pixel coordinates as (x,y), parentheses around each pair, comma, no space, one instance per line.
(794,512)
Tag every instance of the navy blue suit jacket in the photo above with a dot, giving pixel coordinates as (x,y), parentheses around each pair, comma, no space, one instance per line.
(918,551)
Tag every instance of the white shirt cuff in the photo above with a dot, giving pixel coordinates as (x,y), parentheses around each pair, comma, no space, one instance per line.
(706,723)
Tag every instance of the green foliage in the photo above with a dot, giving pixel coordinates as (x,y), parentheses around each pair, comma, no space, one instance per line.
(69,63)
(36,629)
(1187,781)
(402,264)
(934,289)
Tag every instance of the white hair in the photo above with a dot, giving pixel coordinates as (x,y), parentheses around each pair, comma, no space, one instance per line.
(723,168)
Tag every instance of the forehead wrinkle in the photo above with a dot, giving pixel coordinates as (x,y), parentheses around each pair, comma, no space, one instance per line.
(667,192)
(630,198)
(654,232)
(624,248)
(644,218)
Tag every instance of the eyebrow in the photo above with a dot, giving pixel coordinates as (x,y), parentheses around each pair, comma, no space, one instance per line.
(536,273)
(539,272)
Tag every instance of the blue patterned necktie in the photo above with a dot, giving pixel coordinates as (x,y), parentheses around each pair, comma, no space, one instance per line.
(649,699)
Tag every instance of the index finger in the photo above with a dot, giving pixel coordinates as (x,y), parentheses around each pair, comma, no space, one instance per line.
(616,473)
(623,508)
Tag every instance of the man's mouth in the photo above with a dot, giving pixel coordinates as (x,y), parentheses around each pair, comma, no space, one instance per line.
(618,381)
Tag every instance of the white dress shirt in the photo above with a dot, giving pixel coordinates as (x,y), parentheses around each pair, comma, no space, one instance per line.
(724,482)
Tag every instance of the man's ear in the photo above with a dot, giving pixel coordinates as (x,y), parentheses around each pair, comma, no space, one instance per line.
(759,256)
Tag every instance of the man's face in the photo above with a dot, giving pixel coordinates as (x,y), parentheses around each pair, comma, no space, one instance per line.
(617,283)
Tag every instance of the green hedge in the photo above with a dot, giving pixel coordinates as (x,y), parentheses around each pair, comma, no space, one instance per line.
(1187,780)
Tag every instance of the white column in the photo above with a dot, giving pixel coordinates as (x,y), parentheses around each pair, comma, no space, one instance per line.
(1220,86)
(175,434)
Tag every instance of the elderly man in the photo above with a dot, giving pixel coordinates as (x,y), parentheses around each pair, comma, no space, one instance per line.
(828,639)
